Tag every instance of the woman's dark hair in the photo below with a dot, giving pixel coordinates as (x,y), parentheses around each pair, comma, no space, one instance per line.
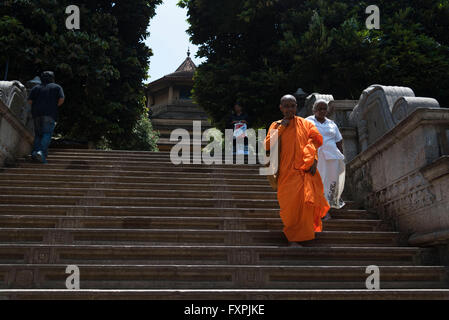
(47,77)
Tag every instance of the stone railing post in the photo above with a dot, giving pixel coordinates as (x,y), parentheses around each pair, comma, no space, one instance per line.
(16,125)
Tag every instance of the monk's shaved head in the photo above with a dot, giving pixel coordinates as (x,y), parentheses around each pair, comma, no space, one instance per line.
(288,106)
(288,98)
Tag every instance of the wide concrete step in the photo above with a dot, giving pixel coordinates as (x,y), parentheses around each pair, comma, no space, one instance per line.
(214,255)
(201,223)
(233,294)
(167,132)
(155,211)
(95,198)
(109,177)
(168,141)
(169,126)
(191,236)
(134,193)
(163,147)
(205,174)
(134,186)
(104,155)
(154,156)
(102,276)
(180,116)
(153,168)
(352,214)
(119,157)
(179,123)
(167,129)
(137,163)
(172,113)
(123,153)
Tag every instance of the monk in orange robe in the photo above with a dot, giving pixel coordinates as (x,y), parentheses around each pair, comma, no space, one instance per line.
(300,188)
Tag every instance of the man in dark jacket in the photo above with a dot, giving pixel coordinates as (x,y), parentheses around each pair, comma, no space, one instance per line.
(45,100)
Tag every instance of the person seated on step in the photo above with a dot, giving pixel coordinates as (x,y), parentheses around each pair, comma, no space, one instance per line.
(331,163)
(239,122)
(300,189)
(44,100)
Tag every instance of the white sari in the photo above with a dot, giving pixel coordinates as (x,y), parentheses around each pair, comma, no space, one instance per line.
(331,165)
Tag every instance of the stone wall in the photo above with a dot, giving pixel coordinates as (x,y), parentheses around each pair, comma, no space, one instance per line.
(404,175)
(16,125)
(160,98)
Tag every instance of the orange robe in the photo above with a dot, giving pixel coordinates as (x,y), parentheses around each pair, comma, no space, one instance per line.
(300,195)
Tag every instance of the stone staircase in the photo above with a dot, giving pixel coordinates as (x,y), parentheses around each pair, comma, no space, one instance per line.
(165,119)
(139,227)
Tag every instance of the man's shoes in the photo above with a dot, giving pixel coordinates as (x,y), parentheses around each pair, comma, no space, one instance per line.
(33,156)
(29,158)
(40,157)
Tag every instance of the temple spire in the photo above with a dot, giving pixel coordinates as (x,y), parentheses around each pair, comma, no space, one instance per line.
(187,65)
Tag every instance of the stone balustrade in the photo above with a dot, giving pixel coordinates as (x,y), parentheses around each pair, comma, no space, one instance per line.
(404,175)
(16,125)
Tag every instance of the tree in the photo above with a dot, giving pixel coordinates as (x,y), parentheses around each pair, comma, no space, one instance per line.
(101,66)
(258,50)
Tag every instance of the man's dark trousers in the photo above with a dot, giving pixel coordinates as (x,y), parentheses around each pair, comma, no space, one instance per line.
(43,131)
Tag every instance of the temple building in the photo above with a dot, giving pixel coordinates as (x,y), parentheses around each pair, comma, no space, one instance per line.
(169,100)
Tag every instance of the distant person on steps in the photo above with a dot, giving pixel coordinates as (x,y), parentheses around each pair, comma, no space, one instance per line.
(237,119)
(44,100)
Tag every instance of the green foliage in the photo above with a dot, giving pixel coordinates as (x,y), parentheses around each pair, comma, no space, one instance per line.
(142,137)
(258,50)
(101,66)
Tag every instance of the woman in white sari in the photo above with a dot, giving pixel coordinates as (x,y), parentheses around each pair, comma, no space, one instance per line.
(331,165)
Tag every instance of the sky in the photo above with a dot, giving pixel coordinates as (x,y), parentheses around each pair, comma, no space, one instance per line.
(169,40)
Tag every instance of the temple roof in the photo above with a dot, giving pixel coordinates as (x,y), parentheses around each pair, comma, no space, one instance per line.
(187,68)
(187,65)
(184,72)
